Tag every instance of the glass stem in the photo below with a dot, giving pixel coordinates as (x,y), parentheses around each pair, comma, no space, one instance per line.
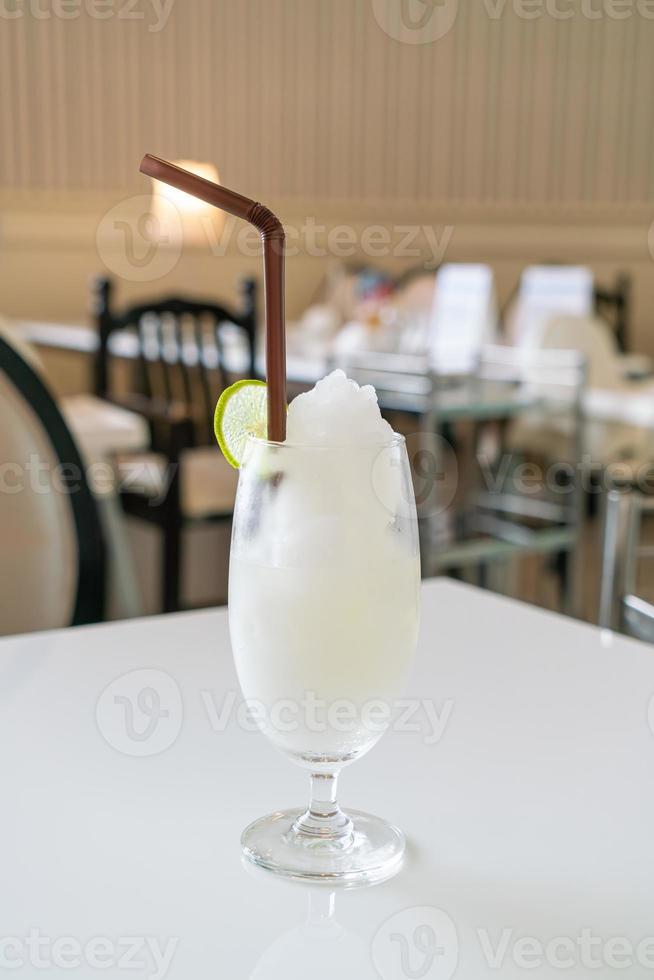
(324,820)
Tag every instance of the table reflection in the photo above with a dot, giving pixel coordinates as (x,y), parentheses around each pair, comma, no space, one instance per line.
(321,947)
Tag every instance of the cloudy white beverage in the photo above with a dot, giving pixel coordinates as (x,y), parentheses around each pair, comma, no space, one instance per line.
(324,578)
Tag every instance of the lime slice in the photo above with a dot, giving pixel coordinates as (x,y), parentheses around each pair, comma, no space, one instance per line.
(241,412)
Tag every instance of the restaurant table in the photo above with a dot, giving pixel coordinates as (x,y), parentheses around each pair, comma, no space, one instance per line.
(471,399)
(521,770)
(627,407)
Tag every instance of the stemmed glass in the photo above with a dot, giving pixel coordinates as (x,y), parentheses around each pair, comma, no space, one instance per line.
(323,611)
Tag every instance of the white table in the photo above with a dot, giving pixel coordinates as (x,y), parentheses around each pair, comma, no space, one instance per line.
(533,812)
(629,407)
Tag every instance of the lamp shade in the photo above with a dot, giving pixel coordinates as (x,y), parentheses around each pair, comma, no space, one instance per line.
(180,215)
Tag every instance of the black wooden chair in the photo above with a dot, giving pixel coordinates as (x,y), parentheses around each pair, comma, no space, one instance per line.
(614,306)
(186,353)
(52,560)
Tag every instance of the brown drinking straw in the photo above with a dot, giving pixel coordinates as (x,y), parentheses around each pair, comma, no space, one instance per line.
(272,235)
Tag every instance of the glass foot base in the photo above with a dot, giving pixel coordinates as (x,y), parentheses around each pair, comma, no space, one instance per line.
(372,853)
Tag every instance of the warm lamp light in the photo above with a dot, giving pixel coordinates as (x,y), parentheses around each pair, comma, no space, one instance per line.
(180,216)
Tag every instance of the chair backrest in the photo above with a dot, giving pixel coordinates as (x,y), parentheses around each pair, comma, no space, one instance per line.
(547,291)
(188,350)
(464,317)
(559,371)
(614,306)
(622,549)
(549,385)
(52,554)
(402,380)
(592,338)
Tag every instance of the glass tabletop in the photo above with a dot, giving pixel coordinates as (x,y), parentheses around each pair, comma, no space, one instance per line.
(469,398)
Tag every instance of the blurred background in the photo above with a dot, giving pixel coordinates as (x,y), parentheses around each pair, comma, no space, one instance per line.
(467,194)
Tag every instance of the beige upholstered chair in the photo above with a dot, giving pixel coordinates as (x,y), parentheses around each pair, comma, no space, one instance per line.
(51,553)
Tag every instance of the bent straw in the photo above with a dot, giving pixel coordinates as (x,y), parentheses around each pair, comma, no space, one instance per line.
(272,235)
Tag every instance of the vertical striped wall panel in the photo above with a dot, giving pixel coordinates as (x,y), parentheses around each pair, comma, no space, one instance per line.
(312,98)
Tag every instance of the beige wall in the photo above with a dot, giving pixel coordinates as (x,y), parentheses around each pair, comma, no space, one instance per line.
(518,135)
